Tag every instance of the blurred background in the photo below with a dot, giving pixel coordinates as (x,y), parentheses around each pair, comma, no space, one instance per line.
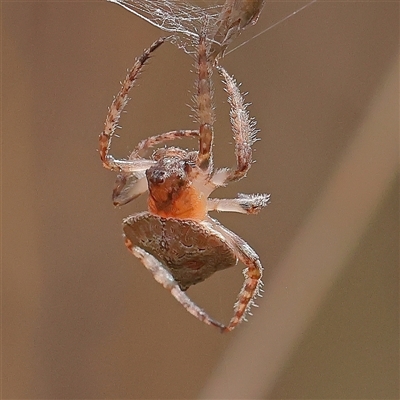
(82,318)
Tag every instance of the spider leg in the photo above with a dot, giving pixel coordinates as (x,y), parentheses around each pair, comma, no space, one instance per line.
(205,112)
(244,133)
(128,187)
(244,203)
(253,274)
(163,137)
(114,114)
(164,277)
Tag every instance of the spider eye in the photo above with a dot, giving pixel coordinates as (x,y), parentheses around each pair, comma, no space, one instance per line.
(189,166)
(157,177)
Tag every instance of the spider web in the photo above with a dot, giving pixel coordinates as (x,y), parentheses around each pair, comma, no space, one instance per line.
(182,19)
(185,20)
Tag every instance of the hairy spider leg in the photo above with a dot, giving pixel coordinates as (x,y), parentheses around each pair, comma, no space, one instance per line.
(165,278)
(164,137)
(244,132)
(244,203)
(253,274)
(114,114)
(205,112)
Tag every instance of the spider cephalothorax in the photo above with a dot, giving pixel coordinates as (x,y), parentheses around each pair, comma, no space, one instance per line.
(176,239)
(171,184)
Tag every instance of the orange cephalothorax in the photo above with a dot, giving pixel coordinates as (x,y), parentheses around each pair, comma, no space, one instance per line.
(171,193)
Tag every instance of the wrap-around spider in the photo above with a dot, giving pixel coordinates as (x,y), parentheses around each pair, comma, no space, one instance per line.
(176,239)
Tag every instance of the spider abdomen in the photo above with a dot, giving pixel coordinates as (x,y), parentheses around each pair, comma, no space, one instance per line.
(191,250)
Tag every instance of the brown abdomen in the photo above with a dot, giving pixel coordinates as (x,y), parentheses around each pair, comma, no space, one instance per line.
(191,250)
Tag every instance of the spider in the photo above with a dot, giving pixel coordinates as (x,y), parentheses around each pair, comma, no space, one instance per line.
(176,239)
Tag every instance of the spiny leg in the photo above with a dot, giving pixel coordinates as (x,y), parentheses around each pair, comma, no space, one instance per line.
(116,108)
(164,277)
(128,187)
(164,137)
(253,274)
(204,108)
(244,203)
(244,132)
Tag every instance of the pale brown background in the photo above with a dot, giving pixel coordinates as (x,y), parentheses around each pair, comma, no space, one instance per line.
(81,317)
